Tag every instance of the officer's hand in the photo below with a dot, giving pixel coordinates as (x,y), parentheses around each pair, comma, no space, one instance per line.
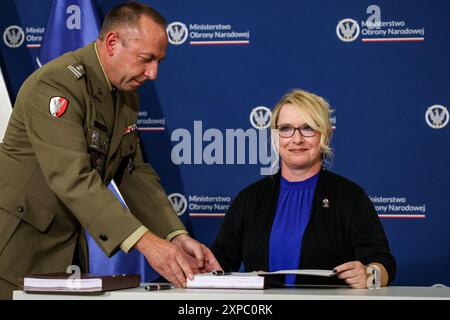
(166,258)
(200,258)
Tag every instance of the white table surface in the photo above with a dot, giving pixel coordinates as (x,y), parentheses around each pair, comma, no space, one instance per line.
(387,293)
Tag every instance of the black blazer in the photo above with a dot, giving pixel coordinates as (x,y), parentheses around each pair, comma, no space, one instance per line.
(343,227)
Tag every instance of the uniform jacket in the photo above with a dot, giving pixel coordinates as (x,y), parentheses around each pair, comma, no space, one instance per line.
(343,227)
(54,171)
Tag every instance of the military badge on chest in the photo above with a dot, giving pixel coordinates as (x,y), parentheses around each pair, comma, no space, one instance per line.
(57,106)
(98,149)
(130,128)
(99,143)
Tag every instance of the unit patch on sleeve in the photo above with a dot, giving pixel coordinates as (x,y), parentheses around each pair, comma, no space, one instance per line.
(57,106)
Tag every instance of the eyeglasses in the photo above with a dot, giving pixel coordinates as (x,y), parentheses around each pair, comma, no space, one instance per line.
(287,131)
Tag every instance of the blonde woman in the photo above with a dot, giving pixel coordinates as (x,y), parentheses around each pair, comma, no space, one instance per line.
(305,217)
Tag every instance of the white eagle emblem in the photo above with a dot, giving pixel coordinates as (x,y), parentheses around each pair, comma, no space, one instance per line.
(260,117)
(177,33)
(13,36)
(179,203)
(58,105)
(347,30)
(437,116)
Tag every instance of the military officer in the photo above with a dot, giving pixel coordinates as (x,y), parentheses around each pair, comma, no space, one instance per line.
(73,130)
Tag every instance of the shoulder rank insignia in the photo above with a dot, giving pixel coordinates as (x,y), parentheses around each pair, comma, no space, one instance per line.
(77,70)
(57,106)
(130,128)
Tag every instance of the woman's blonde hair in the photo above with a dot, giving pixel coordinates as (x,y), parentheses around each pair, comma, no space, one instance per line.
(315,111)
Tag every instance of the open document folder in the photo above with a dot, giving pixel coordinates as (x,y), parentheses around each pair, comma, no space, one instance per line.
(250,280)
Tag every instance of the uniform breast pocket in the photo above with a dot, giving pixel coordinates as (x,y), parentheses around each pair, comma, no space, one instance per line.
(129,144)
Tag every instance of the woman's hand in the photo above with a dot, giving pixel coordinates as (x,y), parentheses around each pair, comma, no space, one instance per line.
(354,273)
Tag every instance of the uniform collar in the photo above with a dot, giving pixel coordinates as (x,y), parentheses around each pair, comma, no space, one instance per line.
(103,69)
(100,83)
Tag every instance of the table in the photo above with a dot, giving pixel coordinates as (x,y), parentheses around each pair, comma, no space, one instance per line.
(386,293)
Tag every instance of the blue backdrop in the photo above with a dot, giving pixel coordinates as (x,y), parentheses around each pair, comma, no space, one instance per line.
(384,68)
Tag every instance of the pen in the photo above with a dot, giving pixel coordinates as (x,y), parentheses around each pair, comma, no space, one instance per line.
(220,273)
(157,286)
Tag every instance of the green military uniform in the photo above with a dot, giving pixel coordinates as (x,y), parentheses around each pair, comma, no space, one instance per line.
(68,136)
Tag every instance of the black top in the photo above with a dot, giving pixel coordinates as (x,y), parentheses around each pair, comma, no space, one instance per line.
(343,227)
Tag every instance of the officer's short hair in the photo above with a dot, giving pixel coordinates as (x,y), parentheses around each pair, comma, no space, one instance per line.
(127,15)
